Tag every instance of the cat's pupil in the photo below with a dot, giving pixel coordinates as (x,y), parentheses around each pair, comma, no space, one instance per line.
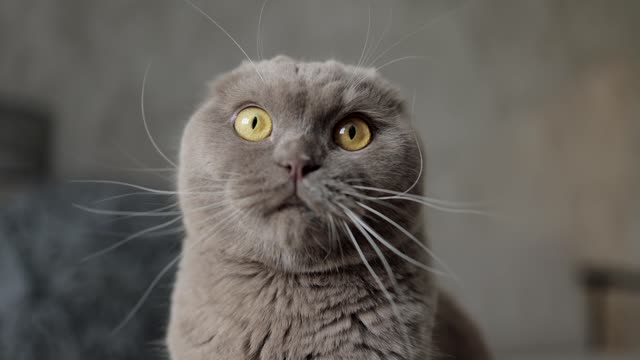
(254,123)
(352,132)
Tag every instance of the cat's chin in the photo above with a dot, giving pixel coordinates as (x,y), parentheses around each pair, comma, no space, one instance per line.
(292,203)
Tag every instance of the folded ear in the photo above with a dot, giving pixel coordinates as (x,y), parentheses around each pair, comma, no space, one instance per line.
(282,58)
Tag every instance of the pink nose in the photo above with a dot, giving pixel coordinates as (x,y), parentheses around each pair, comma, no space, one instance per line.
(299,168)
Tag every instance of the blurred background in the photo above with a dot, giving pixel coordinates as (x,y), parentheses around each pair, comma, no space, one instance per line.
(530,106)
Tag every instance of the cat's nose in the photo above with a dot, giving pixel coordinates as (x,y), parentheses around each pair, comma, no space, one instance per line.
(299,168)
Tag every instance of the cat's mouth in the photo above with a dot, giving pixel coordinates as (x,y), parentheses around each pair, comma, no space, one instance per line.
(307,198)
(293,202)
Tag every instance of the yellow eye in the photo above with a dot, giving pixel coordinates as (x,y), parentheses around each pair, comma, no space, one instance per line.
(253,124)
(352,134)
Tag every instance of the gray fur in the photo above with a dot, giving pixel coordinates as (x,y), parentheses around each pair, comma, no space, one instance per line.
(257,281)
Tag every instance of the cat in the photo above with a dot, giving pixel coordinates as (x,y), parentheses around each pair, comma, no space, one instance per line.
(300,242)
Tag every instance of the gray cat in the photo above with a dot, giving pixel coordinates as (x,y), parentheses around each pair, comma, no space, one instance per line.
(297,246)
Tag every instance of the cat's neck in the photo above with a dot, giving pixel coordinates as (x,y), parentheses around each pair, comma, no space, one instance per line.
(247,298)
(252,281)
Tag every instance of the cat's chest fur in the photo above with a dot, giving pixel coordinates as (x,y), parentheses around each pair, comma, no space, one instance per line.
(245,311)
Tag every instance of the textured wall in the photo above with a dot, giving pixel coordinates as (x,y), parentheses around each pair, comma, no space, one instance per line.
(502,97)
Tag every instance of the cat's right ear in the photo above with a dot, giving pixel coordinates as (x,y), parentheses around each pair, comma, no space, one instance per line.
(213,86)
(221,83)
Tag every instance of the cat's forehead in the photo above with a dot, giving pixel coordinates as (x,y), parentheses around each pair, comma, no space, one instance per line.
(285,73)
(284,69)
(283,84)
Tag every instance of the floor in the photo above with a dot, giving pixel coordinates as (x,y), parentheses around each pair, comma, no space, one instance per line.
(576,357)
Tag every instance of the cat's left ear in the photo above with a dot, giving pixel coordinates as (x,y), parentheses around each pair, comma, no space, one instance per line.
(368,73)
(221,83)
(282,59)
(371,71)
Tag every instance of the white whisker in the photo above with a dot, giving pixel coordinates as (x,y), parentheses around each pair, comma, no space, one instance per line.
(152,229)
(392,303)
(121,196)
(355,81)
(382,36)
(388,245)
(198,9)
(410,57)
(258,36)
(412,237)
(177,230)
(140,165)
(152,213)
(428,203)
(164,271)
(379,253)
(398,194)
(128,239)
(415,137)
(160,212)
(333,234)
(149,169)
(146,294)
(121,183)
(447,209)
(327,251)
(366,40)
(418,30)
(144,119)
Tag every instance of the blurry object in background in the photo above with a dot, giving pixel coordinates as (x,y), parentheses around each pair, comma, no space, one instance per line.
(614,307)
(550,85)
(24,146)
(62,295)
(597,143)
(579,356)
(581,150)
(601,162)
(580,155)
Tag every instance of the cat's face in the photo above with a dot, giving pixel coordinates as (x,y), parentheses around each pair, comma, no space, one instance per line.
(269,161)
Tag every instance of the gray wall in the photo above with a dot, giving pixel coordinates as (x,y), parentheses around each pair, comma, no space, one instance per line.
(488,93)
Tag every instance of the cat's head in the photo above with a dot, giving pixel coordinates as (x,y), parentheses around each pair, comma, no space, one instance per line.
(274,162)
